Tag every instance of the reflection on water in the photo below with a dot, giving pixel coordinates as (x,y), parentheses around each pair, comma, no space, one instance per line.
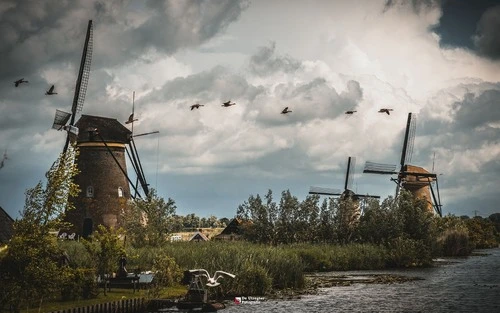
(462,285)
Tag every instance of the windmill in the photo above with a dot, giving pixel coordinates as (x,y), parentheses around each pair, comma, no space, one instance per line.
(347,192)
(416,179)
(62,117)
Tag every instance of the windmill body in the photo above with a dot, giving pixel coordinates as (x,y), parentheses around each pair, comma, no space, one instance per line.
(103,177)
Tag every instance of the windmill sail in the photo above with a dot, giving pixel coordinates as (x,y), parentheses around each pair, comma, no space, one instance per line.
(347,192)
(83,79)
(60,119)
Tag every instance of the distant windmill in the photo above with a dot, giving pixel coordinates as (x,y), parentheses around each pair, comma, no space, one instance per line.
(413,178)
(347,192)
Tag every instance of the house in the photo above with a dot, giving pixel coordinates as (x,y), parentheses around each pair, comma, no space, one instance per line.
(199,236)
(6,227)
(233,231)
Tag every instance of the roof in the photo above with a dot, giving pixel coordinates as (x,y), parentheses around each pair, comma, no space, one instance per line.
(109,128)
(233,227)
(6,226)
(199,237)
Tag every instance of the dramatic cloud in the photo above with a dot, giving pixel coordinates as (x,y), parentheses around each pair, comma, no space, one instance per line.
(322,59)
(487,39)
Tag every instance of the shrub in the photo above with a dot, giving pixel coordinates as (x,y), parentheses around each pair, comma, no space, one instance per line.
(454,242)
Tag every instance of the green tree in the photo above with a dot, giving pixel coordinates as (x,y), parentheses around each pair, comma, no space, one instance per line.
(105,247)
(30,271)
(149,221)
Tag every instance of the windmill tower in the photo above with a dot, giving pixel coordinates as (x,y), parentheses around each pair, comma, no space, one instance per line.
(103,179)
(347,192)
(413,178)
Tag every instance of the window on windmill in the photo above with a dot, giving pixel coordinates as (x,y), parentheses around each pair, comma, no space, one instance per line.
(90,192)
(120,192)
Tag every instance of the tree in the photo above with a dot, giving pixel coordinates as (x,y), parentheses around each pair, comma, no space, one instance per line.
(149,221)
(105,246)
(30,271)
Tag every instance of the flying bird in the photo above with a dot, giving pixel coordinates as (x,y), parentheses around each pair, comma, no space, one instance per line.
(20,81)
(3,159)
(285,111)
(228,104)
(212,281)
(350,112)
(385,111)
(131,119)
(51,91)
(196,106)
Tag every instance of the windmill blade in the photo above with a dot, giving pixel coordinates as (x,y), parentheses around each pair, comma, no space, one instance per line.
(60,119)
(379,168)
(324,191)
(83,78)
(351,166)
(366,196)
(411,139)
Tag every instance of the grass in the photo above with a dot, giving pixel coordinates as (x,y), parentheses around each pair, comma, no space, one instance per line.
(115,294)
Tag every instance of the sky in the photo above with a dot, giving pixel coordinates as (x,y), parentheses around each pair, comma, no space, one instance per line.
(439,60)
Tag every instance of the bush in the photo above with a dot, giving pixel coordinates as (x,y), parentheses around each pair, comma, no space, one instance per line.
(404,252)
(252,280)
(81,284)
(454,243)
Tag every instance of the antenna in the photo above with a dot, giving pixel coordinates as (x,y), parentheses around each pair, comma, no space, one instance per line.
(433,160)
(133,105)
(82,81)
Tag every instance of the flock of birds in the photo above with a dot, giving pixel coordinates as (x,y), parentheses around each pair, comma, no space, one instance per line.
(226,104)
(22,81)
(286,110)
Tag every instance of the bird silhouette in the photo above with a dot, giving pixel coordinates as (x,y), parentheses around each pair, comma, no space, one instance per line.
(20,81)
(51,91)
(2,163)
(196,106)
(131,119)
(385,111)
(228,104)
(285,111)
(350,112)
(212,281)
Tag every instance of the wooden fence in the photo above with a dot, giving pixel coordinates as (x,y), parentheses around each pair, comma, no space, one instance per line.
(137,305)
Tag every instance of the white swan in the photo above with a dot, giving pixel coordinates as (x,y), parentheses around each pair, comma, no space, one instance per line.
(212,280)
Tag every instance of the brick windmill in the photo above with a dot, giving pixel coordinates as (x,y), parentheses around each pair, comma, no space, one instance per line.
(413,178)
(102,143)
(347,192)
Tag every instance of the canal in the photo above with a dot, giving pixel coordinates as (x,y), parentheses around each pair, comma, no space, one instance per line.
(469,284)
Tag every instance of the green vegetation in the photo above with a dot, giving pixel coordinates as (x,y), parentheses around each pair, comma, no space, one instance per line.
(282,241)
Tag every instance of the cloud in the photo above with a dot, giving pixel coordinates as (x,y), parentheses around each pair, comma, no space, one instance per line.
(265,62)
(487,38)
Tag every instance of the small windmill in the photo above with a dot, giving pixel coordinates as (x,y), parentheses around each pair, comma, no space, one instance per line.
(413,178)
(62,117)
(347,192)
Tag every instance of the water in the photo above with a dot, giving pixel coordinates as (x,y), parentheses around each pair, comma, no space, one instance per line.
(459,285)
